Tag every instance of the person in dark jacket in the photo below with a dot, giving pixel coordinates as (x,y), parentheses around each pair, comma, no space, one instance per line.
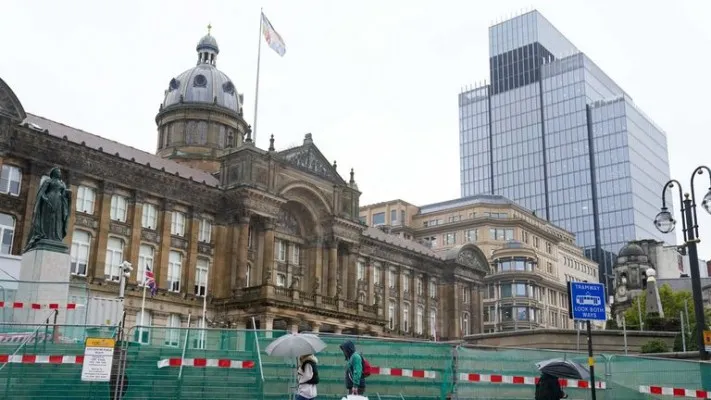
(355,380)
(548,388)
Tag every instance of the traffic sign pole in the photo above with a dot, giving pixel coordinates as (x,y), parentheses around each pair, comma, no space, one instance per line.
(587,303)
(591,363)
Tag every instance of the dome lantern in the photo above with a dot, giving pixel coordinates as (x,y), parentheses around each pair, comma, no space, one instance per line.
(207,49)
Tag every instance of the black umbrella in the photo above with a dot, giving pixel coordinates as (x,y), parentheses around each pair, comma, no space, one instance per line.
(563,369)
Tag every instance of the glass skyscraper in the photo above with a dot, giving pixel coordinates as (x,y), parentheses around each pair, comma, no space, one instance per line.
(555,134)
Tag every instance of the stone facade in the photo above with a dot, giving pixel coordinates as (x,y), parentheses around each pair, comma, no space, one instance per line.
(528,260)
(270,235)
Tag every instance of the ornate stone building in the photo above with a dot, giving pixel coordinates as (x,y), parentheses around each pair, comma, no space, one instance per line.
(528,260)
(265,234)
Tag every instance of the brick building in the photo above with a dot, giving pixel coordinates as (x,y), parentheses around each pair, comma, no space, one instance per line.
(267,234)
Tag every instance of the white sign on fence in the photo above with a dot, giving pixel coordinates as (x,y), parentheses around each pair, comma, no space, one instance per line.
(98,359)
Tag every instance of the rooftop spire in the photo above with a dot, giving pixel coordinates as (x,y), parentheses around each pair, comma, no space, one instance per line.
(207,48)
(209,28)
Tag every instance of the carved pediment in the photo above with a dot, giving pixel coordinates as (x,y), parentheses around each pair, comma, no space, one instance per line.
(308,158)
(10,106)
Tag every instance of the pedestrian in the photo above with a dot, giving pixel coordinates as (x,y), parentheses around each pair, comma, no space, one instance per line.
(308,377)
(355,378)
(548,388)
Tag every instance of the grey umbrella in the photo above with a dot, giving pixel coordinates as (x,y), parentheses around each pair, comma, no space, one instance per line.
(563,369)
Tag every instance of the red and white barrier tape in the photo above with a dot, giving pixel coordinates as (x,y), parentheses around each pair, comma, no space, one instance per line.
(524,380)
(40,359)
(676,392)
(205,363)
(410,373)
(37,306)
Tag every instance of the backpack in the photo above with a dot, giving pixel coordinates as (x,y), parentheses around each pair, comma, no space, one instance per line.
(367,368)
(314,379)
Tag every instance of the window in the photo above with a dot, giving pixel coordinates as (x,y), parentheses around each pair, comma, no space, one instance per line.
(114,258)
(535,242)
(405,282)
(500,234)
(405,317)
(391,279)
(378,219)
(248,276)
(450,238)
(465,323)
(376,274)
(281,280)
(514,264)
(419,320)
(465,294)
(402,217)
(549,267)
(432,289)
(393,217)
(143,331)
(205,233)
(145,260)
(391,314)
(433,322)
(471,235)
(86,197)
(175,270)
(199,340)
(7,233)
(295,254)
(149,220)
(419,289)
(81,242)
(177,223)
(10,180)
(280,250)
(172,337)
(118,208)
(525,236)
(201,271)
(549,248)
(361,271)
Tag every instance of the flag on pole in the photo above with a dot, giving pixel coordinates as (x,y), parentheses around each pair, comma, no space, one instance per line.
(150,281)
(272,37)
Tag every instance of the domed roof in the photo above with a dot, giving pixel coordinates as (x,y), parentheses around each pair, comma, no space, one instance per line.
(204,83)
(208,42)
(632,250)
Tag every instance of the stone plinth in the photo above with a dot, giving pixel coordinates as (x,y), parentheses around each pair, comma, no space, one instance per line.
(44,280)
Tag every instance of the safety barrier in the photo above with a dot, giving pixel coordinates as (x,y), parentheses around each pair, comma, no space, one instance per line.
(188,363)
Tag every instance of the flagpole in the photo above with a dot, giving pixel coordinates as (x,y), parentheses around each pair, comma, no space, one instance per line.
(143,306)
(256,90)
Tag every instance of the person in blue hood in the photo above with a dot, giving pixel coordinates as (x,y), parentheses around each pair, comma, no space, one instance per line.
(355,380)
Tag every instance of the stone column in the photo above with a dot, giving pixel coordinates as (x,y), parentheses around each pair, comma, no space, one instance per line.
(136,215)
(103,210)
(426,326)
(267,324)
(232,254)
(242,251)
(332,267)
(315,326)
(294,326)
(190,265)
(352,274)
(220,233)
(268,258)
(317,279)
(386,294)
(338,330)
(160,262)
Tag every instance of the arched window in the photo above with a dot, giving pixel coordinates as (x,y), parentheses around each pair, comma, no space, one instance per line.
(391,314)
(7,233)
(145,260)
(433,323)
(419,320)
(406,317)
(175,270)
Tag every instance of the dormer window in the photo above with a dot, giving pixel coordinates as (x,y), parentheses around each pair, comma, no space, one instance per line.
(229,87)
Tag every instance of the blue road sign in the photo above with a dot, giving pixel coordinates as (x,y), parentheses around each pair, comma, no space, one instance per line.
(587,301)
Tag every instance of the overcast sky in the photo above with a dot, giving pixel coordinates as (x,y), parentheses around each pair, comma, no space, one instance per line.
(375,82)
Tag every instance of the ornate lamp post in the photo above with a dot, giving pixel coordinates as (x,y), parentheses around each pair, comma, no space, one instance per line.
(665,223)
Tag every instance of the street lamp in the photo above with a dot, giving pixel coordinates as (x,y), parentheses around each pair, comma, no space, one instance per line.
(665,223)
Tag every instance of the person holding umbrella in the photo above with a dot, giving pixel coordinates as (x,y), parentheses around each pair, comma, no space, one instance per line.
(548,386)
(307,372)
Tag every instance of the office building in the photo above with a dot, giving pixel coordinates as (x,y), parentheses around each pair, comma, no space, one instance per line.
(552,132)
